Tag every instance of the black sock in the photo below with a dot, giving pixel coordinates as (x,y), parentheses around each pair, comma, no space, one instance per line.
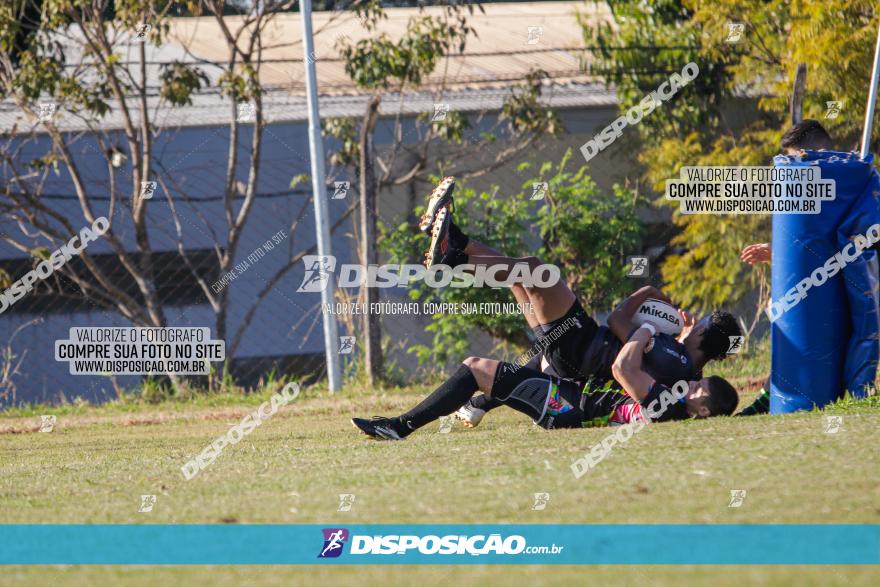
(761,405)
(457,238)
(484,402)
(447,398)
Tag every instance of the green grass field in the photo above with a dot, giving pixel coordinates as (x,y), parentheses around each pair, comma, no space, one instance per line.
(98,461)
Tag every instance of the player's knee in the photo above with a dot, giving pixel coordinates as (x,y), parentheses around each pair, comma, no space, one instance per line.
(481,368)
(472,362)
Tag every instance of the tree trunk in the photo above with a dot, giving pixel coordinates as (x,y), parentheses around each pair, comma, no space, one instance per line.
(369,253)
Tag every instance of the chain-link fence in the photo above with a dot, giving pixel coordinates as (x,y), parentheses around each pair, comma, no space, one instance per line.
(192,165)
(167,258)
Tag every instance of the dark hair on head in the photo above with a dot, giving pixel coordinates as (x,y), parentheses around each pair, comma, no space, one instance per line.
(808,134)
(722,397)
(716,339)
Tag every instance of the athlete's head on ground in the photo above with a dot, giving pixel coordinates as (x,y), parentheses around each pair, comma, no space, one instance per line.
(711,335)
(710,396)
(808,134)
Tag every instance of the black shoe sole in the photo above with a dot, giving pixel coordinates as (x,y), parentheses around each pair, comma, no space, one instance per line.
(438,231)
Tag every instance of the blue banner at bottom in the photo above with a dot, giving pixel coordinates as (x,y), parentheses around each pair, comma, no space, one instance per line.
(197,544)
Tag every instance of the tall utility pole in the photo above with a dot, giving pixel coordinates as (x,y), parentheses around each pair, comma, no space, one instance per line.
(872,101)
(797,94)
(369,251)
(319,190)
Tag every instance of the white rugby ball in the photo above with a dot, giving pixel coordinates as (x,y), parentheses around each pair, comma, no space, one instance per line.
(664,317)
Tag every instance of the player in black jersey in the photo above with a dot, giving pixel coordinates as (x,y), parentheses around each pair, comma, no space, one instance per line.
(577,347)
(580,349)
(558,403)
(667,359)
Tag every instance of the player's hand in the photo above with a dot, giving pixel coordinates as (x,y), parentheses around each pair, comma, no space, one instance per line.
(687,321)
(757,253)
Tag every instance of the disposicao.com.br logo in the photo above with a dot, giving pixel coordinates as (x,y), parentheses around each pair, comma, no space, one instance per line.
(334,540)
(320,268)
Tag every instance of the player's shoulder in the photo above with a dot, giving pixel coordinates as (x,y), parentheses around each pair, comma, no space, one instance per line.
(670,343)
(668,339)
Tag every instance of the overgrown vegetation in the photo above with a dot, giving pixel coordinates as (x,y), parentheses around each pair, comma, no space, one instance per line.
(652,38)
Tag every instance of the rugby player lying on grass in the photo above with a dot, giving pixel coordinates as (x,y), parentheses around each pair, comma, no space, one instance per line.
(558,403)
(583,354)
(667,359)
(581,351)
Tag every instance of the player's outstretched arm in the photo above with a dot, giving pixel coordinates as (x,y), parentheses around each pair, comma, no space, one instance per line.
(627,367)
(620,321)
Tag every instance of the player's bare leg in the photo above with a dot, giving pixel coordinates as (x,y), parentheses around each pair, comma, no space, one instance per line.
(548,303)
(450,247)
(532,301)
(475,248)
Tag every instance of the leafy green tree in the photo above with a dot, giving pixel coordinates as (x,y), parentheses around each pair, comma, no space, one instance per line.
(90,59)
(649,39)
(379,64)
